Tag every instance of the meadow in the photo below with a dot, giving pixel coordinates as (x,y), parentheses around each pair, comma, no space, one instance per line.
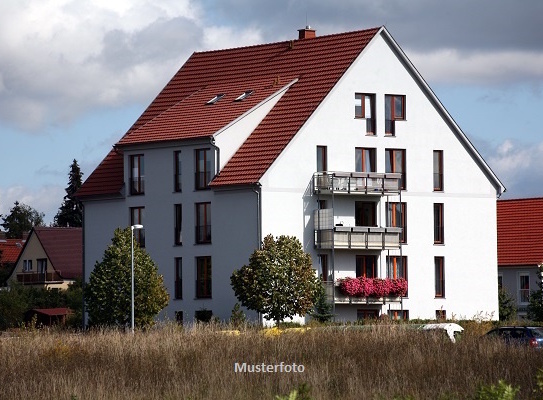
(169,362)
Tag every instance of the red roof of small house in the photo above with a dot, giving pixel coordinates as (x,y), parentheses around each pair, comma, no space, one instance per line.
(10,250)
(52,312)
(180,111)
(520,231)
(64,249)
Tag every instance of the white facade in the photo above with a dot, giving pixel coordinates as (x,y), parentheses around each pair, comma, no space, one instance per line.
(285,201)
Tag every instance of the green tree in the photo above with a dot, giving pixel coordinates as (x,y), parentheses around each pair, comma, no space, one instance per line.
(323,308)
(13,305)
(21,218)
(535,307)
(108,293)
(279,281)
(70,212)
(507,308)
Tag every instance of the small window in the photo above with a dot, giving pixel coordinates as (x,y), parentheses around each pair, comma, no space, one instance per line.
(394,111)
(397,217)
(438,170)
(203,277)
(178,177)
(203,223)
(395,162)
(365,160)
(439,276)
(439,236)
(216,98)
(244,95)
(322,159)
(178,228)
(179,278)
(137,174)
(136,218)
(27,265)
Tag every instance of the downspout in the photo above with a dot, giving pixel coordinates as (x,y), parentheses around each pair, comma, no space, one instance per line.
(84,311)
(218,155)
(258,189)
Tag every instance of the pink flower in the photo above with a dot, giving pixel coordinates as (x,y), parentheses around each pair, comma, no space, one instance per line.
(373,287)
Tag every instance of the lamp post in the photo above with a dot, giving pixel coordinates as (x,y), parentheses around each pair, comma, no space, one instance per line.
(132,228)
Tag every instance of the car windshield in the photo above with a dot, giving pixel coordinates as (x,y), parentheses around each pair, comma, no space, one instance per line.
(537,332)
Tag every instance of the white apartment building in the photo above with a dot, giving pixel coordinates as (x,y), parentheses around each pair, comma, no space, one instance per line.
(336,140)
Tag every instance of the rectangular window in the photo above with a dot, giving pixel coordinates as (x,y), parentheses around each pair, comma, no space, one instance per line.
(203,168)
(364,107)
(137,174)
(178,228)
(394,111)
(439,231)
(366,266)
(136,218)
(524,287)
(203,223)
(397,267)
(439,267)
(399,314)
(177,177)
(322,159)
(42,265)
(179,317)
(365,160)
(441,314)
(203,277)
(397,218)
(438,170)
(27,265)
(179,278)
(365,213)
(395,162)
(323,266)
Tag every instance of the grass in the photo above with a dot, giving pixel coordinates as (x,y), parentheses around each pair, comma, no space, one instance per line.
(168,362)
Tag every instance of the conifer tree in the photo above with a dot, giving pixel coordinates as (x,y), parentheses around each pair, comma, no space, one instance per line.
(70,212)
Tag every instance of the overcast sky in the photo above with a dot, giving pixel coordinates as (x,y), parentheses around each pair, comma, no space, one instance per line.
(75,75)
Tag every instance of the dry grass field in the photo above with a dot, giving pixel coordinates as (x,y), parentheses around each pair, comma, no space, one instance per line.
(168,362)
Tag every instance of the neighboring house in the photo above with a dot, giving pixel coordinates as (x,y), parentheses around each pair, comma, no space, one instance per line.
(520,248)
(336,140)
(9,252)
(50,258)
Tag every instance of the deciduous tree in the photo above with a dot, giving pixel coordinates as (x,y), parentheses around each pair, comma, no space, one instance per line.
(108,293)
(279,281)
(21,218)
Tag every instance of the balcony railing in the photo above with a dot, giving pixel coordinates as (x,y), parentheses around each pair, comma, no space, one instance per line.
(333,294)
(356,183)
(358,237)
(38,277)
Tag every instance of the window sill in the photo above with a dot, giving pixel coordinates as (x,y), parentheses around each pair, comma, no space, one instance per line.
(439,244)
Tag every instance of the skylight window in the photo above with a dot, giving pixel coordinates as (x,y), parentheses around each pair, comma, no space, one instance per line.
(216,98)
(244,95)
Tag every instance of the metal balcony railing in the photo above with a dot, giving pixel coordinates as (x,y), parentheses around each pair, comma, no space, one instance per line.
(358,237)
(356,183)
(38,277)
(333,294)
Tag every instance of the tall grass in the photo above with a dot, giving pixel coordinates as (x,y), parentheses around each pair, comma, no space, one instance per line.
(381,362)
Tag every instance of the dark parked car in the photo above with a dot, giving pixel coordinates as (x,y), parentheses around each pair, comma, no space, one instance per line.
(528,335)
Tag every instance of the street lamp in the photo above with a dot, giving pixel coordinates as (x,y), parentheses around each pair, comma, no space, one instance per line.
(136,227)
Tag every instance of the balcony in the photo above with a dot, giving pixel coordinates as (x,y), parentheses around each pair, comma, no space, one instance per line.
(367,183)
(358,238)
(333,294)
(32,278)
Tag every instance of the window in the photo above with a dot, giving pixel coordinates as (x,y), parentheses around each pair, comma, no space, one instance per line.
(203,223)
(137,174)
(397,218)
(322,159)
(394,111)
(136,218)
(203,168)
(365,160)
(365,213)
(203,277)
(179,278)
(179,317)
(366,266)
(439,267)
(27,265)
(524,287)
(395,162)
(397,267)
(398,314)
(215,99)
(178,228)
(362,314)
(42,265)
(438,170)
(323,266)
(500,281)
(438,224)
(177,178)
(244,95)
(364,107)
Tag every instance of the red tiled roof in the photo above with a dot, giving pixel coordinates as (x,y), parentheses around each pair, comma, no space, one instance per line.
(179,111)
(52,312)
(520,231)
(106,179)
(10,250)
(64,248)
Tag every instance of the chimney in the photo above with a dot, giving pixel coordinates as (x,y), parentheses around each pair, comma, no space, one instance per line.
(306,33)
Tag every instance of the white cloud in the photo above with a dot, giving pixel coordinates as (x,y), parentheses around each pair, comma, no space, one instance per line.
(482,67)
(44,199)
(519,166)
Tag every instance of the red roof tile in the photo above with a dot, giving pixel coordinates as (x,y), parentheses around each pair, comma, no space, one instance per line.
(10,250)
(64,248)
(520,232)
(179,111)
(106,179)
